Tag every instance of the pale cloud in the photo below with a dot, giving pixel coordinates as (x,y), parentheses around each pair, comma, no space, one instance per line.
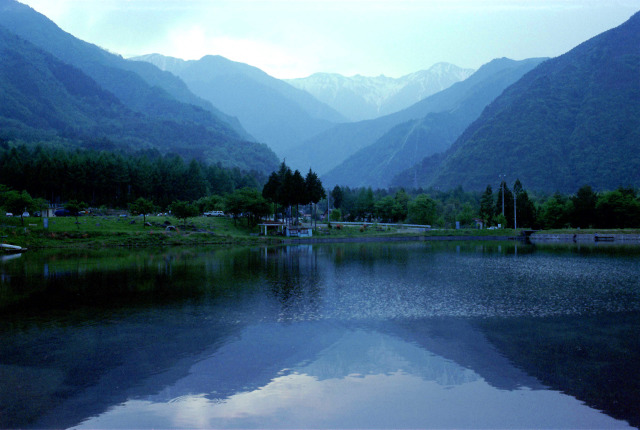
(193,42)
(54,10)
(293,38)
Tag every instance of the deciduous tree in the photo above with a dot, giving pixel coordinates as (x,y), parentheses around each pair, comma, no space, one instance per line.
(183,210)
(423,210)
(18,202)
(75,207)
(142,207)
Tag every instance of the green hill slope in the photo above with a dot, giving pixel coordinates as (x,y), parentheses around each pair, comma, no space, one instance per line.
(140,86)
(573,120)
(44,99)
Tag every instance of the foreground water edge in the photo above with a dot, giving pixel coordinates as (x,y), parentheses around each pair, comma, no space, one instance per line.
(448,335)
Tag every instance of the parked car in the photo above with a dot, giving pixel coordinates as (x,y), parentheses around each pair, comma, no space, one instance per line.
(25,214)
(214,213)
(8,214)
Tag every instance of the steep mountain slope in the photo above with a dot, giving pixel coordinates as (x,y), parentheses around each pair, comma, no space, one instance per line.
(329,149)
(270,109)
(41,96)
(142,87)
(376,164)
(360,97)
(573,120)
(45,100)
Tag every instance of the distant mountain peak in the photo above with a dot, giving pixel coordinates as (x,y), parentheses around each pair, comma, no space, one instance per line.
(365,97)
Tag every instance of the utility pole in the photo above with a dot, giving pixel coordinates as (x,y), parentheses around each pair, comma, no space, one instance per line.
(515,225)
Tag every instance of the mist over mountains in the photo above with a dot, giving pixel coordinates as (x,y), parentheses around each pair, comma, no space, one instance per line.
(271,110)
(555,124)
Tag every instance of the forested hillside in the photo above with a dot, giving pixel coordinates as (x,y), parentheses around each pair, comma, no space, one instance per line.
(573,120)
(44,99)
(115,179)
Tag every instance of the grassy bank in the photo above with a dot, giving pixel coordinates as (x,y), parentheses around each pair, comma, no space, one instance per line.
(98,231)
(102,231)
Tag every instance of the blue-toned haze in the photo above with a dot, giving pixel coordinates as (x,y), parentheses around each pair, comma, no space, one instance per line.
(289,39)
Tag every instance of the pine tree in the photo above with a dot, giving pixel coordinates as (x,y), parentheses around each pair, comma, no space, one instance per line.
(486,206)
(314,191)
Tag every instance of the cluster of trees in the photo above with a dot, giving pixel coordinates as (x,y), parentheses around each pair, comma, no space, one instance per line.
(147,182)
(285,188)
(500,210)
(587,208)
(116,179)
(431,207)
(611,209)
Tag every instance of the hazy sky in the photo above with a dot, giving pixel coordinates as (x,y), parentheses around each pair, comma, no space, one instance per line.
(294,38)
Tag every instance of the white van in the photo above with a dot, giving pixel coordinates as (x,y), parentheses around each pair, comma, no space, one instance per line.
(214,213)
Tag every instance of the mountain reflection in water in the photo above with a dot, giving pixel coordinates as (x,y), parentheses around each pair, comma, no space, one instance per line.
(375,335)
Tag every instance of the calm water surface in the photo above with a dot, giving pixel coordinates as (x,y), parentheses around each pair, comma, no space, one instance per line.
(374,335)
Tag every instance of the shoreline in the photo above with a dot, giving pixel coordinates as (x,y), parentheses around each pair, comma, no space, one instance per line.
(138,241)
(417,238)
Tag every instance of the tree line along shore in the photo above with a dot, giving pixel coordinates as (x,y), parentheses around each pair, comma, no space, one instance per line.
(35,178)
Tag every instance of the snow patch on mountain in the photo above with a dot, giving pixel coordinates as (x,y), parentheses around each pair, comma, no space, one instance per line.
(361,97)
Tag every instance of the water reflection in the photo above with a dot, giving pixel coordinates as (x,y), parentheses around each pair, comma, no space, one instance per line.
(359,378)
(348,335)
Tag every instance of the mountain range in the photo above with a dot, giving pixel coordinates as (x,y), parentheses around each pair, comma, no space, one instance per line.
(555,124)
(271,110)
(439,120)
(327,150)
(571,121)
(360,97)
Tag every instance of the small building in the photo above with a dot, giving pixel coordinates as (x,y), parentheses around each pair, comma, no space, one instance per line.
(285,229)
(298,231)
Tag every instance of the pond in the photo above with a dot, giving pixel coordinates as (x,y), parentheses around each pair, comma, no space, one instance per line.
(357,335)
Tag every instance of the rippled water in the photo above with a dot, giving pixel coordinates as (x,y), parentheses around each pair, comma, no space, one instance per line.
(420,335)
